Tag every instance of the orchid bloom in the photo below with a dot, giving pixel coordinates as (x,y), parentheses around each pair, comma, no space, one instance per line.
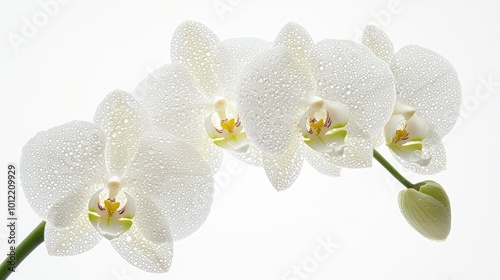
(334,96)
(116,179)
(428,102)
(194,96)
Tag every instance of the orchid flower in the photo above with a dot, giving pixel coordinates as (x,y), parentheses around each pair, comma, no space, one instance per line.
(334,96)
(428,102)
(194,96)
(116,179)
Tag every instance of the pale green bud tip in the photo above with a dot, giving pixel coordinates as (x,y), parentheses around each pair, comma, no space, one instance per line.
(427,210)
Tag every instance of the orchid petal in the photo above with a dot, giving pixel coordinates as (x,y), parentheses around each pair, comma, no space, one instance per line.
(143,253)
(75,239)
(295,39)
(150,220)
(339,113)
(348,73)
(173,174)
(417,128)
(268,97)
(433,148)
(378,42)
(427,82)
(392,126)
(123,120)
(282,170)
(176,106)
(197,47)
(234,55)
(323,163)
(378,140)
(67,209)
(60,163)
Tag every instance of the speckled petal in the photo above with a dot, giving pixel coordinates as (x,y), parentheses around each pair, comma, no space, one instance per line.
(175,105)
(348,73)
(123,120)
(379,139)
(150,220)
(75,239)
(322,162)
(433,147)
(234,55)
(428,82)
(66,210)
(378,42)
(197,47)
(143,253)
(295,39)
(268,97)
(59,162)
(282,170)
(173,174)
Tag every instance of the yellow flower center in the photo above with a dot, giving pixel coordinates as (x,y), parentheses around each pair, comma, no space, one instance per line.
(228,124)
(111,206)
(401,134)
(317,125)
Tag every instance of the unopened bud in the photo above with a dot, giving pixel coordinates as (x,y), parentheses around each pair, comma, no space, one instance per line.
(427,210)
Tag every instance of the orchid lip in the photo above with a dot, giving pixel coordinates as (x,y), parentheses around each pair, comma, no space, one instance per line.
(111,216)
(405,134)
(224,127)
(323,126)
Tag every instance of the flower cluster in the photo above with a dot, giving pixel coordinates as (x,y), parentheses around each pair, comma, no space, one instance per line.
(140,174)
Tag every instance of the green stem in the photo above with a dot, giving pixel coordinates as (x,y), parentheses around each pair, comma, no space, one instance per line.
(393,171)
(29,244)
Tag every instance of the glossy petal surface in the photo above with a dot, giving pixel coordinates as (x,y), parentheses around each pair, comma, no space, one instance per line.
(175,177)
(268,98)
(122,119)
(428,82)
(62,163)
(349,73)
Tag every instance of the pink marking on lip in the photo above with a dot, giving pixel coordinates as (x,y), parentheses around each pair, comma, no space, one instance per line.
(328,120)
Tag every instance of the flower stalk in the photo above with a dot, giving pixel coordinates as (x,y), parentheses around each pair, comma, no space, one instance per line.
(425,205)
(393,171)
(35,238)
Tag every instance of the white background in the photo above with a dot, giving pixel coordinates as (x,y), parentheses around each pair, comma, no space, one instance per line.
(85,49)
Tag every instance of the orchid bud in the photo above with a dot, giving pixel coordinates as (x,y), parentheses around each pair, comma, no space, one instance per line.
(427,210)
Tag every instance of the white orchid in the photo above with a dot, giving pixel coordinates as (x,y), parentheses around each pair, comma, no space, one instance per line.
(115,178)
(194,96)
(334,96)
(428,102)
